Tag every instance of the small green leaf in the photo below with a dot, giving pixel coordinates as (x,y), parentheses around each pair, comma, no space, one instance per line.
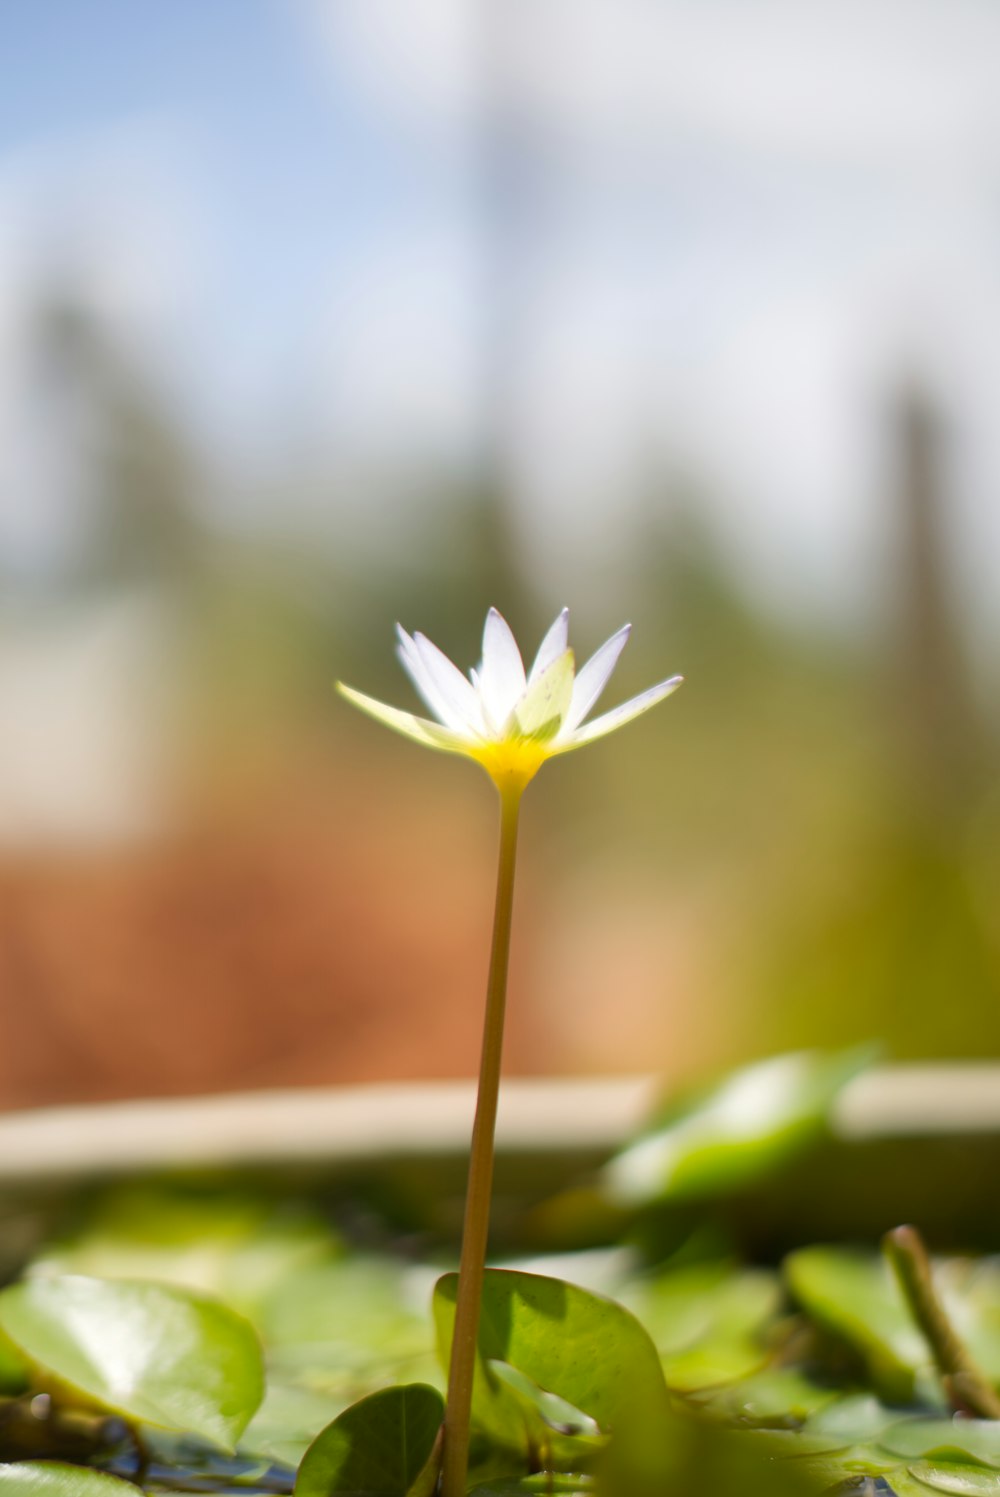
(228,1243)
(949,1439)
(851,1420)
(160,1355)
(288,1421)
(384,1446)
(54,1479)
(706,1321)
(545,1484)
(855,1297)
(965,1481)
(768,1398)
(578,1345)
(554,1412)
(734,1133)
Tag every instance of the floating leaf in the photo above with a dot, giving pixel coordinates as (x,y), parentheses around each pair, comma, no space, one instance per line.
(54,1479)
(156,1354)
(778,1394)
(734,1133)
(288,1421)
(231,1244)
(851,1421)
(578,1345)
(706,1321)
(545,1484)
(383,1446)
(966,1481)
(855,1297)
(974,1439)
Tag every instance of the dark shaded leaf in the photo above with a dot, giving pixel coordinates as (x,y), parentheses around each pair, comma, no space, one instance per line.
(383,1446)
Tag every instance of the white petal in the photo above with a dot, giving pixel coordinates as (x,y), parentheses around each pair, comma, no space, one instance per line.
(592,678)
(457,695)
(618,716)
(419,728)
(552,646)
(438,701)
(501,675)
(540,711)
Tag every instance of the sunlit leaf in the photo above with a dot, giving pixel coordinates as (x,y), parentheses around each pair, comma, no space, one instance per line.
(54,1479)
(965,1481)
(554,1412)
(545,1484)
(855,1297)
(734,1133)
(384,1446)
(154,1353)
(588,1350)
(776,1394)
(948,1439)
(852,1420)
(288,1421)
(230,1244)
(706,1321)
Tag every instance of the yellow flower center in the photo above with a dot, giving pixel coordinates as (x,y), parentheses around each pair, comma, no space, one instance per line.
(512,762)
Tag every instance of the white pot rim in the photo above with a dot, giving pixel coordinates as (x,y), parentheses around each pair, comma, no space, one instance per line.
(350,1125)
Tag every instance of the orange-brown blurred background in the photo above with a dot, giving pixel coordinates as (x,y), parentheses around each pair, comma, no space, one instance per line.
(316,316)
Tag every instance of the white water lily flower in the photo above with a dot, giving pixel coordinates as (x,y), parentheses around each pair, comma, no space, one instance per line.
(509,721)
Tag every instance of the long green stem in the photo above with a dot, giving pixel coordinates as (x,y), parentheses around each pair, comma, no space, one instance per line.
(477,1201)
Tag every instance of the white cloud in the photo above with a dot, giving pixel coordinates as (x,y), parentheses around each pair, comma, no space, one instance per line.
(805,200)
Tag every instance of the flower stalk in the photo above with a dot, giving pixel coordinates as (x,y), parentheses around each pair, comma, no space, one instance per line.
(458,1407)
(509,721)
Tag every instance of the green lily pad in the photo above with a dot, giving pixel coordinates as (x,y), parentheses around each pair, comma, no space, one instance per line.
(156,1354)
(288,1421)
(233,1244)
(734,1133)
(569,1341)
(851,1420)
(545,1484)
(384,1446)
(777,1393)
(855,1298)
(54,1479)
(706,1320)
(949,1439)
(965,1481)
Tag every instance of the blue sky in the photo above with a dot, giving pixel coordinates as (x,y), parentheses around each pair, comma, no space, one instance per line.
(746,219)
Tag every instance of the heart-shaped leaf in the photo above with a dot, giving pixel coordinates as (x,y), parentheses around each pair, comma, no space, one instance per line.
(383,1446)
(159,1355)
(54,1479)
(578,1345)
